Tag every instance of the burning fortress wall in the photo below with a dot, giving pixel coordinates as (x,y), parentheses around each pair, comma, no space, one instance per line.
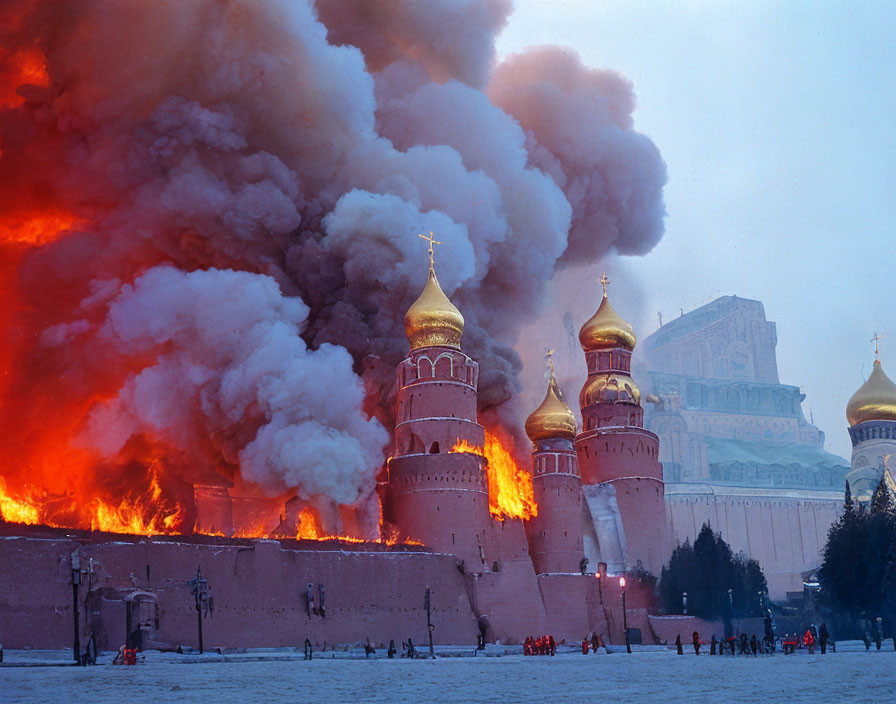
(207,241)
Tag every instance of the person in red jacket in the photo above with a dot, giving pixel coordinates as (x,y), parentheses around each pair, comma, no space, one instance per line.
(809,641)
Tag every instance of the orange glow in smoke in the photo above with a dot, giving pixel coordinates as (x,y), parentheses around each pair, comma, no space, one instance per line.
(36,228)
(23,67)
(510,491)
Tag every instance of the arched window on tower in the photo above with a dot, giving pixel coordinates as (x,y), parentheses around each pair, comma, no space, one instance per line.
(434,448)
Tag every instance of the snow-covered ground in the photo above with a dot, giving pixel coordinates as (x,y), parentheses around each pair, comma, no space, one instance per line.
(282,676)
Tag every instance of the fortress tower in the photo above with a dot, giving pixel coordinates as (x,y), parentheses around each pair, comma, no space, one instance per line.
(435,496)
(871,413)
(555,534)
(614,447)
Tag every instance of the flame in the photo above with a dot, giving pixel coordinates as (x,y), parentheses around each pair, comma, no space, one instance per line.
(306,526)
(510,491)
(17,510)
(131,518)
(147,514)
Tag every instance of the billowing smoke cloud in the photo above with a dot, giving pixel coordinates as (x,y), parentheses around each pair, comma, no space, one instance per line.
(579,127)
(229,357)
(191,193)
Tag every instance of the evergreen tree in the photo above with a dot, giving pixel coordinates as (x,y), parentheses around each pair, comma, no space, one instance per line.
(858,572)
(706,571)
(881,502)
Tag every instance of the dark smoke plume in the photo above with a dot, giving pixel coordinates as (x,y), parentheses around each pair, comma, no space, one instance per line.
(208,217)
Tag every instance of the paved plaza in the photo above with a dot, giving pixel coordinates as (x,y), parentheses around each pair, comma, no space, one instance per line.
(274,677)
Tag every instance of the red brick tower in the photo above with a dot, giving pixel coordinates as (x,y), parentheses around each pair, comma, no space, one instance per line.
(555,534)
(436,496)
(614,447)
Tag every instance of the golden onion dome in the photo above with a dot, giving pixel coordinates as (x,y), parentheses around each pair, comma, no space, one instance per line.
(552,419)
(875,399)
(432,320)
(606,329)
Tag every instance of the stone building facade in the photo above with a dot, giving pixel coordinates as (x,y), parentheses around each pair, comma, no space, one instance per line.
(736,449)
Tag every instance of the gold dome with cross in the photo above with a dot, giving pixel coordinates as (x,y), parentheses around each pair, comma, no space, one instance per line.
(606,329)
(553,418)
(433,320)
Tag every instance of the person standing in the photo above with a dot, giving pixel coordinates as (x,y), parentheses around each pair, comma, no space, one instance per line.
(695,639)
(809,641)
(678,644)
(712,645)
(754,645)
(823,636)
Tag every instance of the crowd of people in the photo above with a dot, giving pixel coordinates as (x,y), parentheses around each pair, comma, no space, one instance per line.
(767,645)
(543,645)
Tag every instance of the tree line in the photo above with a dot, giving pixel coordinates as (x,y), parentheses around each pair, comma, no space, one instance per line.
(858,573)
(718,583)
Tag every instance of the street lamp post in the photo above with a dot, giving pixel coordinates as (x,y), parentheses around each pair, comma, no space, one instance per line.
(199,590)
(628,645)
(76,582)
(600,587)
(684,603)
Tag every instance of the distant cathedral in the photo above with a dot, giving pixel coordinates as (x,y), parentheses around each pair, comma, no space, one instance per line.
(736,449)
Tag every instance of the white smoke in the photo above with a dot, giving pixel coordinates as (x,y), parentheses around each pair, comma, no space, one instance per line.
(227,357)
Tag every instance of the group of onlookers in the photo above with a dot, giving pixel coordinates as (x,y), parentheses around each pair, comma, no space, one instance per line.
(543,645)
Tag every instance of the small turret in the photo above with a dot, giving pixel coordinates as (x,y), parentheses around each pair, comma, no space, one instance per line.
(555,533)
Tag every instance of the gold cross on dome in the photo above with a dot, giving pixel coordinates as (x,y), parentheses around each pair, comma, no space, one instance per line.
(550,357)
(603,282)
(877,336)
(432,240)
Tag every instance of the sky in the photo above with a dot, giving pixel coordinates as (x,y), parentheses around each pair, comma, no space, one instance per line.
(777,122)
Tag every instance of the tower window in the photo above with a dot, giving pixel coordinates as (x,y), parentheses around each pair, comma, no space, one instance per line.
(434,448)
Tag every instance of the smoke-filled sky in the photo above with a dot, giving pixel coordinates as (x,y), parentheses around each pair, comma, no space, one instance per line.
(777,122)
(208,219)
(208,214)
